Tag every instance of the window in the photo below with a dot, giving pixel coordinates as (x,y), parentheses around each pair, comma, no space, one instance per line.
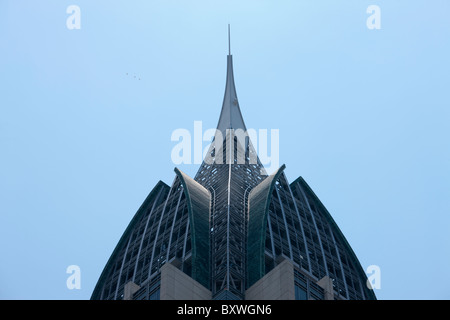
(154,295)
(300,293)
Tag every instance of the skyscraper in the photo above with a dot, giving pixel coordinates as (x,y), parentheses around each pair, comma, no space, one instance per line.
(232,232)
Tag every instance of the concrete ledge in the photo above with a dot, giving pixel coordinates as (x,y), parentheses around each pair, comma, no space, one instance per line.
(129,290)
(176,285)
(278,284)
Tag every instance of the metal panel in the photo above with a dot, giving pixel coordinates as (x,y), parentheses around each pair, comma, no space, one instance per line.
(198,200)
(259,200)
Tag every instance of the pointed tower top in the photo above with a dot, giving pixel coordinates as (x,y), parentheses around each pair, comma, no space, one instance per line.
(230,116)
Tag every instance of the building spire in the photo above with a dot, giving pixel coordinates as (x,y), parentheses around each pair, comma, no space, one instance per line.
(230,116)
(229,41)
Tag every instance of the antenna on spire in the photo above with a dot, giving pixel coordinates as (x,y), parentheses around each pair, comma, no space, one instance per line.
(229,42)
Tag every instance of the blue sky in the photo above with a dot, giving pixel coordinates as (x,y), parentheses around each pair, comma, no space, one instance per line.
(363,117)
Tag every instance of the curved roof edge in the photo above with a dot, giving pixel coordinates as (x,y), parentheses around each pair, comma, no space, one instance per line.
(330,219)
(140,212)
